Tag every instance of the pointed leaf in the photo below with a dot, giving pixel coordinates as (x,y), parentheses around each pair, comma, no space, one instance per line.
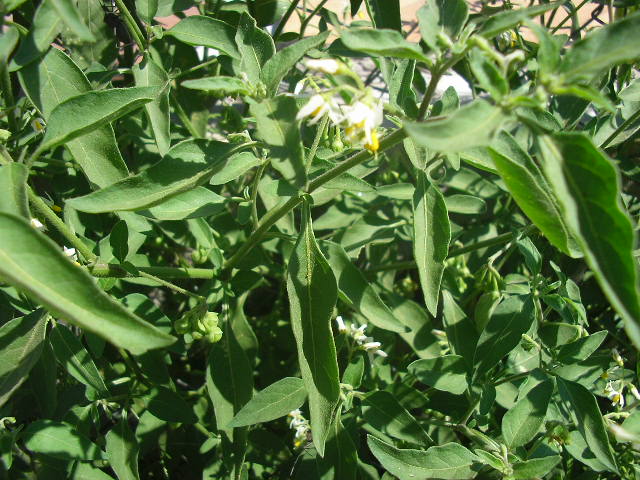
(68,12)
(13,189)
(149,74)
(122,451)
(59,440)
(447,373)
(208,32)
(386,43)
(522,422)
(442,17)
(255,47)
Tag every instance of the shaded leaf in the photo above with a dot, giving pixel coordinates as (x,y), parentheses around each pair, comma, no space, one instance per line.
(522,422)
(122,451)
(208,32)
(386,43)
(447,373)
(13,189)
(59,440)
(149,74)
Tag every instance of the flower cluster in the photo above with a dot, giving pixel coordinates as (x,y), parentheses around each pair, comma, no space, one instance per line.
(359,118)
(361,339)
(301,427)
(199,324)
(616,397)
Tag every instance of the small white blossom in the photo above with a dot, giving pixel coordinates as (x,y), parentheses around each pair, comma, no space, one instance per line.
(301,427)
(71,253)
(634,391)
(37,124)
(323,65)
(616,357)
(361,121)
(616,397)
(37,224)
(342,328)
(317,106)
(360,337)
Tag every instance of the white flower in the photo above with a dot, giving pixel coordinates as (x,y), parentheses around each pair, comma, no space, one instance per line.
(37,224)
(323,65)
(342,328)
(616,357)
(317,106)
(71,253)
(37,124)
(616,397)
(301,427)
(361,121)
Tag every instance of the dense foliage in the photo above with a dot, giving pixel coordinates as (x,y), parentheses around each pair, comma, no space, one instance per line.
(235,248)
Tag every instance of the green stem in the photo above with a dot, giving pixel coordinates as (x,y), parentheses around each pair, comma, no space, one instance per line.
(8,96)
(102,270)
(182,115)
(620,129)
(306,21)
(431,89)
(316,141)
(132,26)
(274,215)
(254,193)
(569,16)
(196,68)
(285,19)
(41,207)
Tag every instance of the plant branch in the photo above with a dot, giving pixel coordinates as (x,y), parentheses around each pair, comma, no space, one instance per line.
(621,128)
(109,270)
(132,26)
(285,19)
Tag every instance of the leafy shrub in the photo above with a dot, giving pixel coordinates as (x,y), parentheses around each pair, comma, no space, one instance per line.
(243,261)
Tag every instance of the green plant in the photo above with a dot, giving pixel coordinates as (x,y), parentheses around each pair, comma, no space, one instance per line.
(253,265)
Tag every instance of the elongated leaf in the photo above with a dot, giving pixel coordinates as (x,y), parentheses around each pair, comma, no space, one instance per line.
(602,49)
(474,125)
(275,401)
(282,62)
(150,74)
(184,167)
(208,32)
(386,43)
(91,110)
(278,127)
(584,407)
(341,457)
(431,237)
(582,348)
(122,451)
(383,412)
(255,47)
(461,331)
(235,166)
(503,21)
(55,79)
(358,292)
(587,183)
(511,318)
(75,358)
(220,85)
(169,406)
(22,339)
(68,12)
(442,17)
(313,293)
(146,10)
(199,202)
(532,193)
(448,461)
(34,264)
(447,373)
(13,189)
(522,422)
(535,468)
(46,26)
(59,440)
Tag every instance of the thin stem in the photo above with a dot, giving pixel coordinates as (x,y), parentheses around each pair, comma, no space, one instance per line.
(254,193)
(170,285)
(316,141)
(182,115)
(569,16)
(196,68)
(131,25)
(306,21)
(102,270)
(8,96)
(39,205)
(431,89)
(620,129)
(285,18)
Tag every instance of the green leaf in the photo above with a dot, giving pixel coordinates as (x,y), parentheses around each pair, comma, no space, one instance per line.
(45,27)
(535,468)
(187,165)
(208,32)
(122,451)
(461,331)
(439,17)
(255,47)
(68,12)
(275,68)
(275,401)
(531,191)
(22,339)
(220,85)
(13,189)
(584,408)
(465,204)
(86,471)
(91,110)
(278,127)
(34,264)
(448,461)
(59,440)
(75,358)
(587,184)
(199,202)
(474,125)
(149,74)
(582,348)
(511,318)
(55,79)
(447,373)
(431,237)
(522,422)
(169,406)
(503,21)
(313,293)
(357,291)
(487,74)
(229,372)
(385,43)
(235,166)
(601,49)
(341,457)
(382,411)
(146,10)
(386,14)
